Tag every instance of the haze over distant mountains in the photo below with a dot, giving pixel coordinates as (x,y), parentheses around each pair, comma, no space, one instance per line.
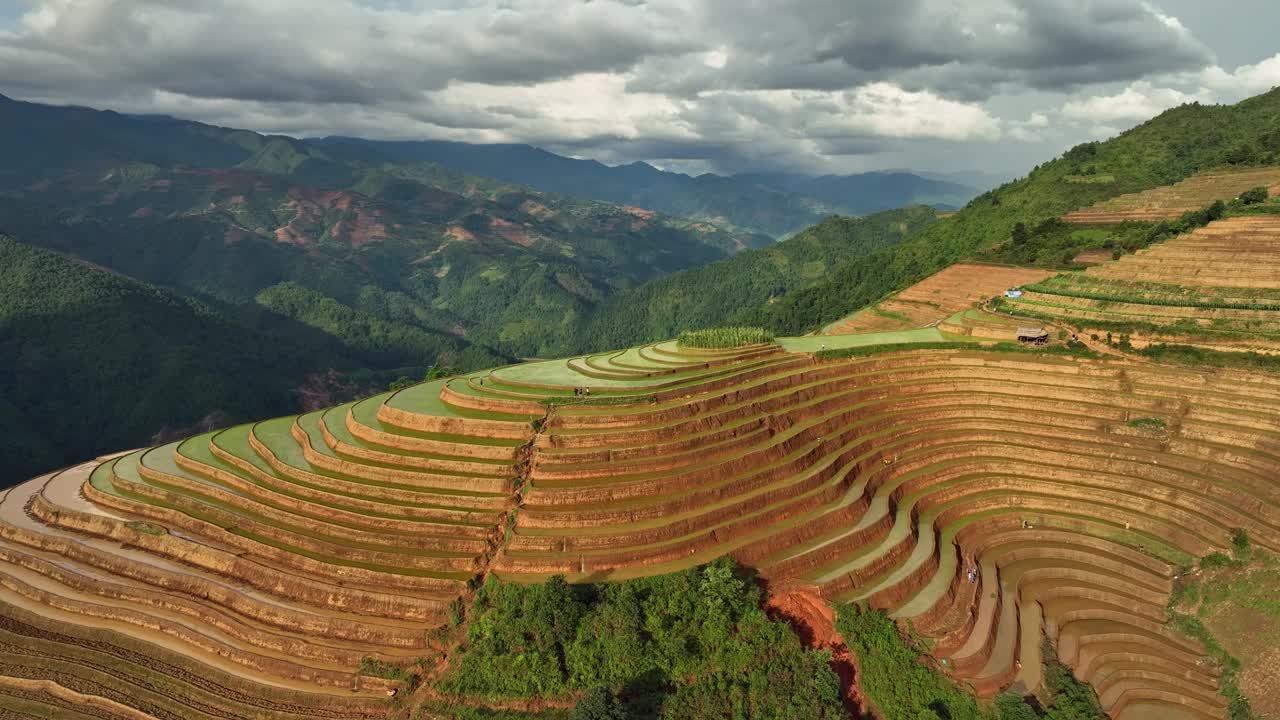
(773,203)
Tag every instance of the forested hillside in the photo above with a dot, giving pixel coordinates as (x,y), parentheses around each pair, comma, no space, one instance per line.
(729,291)
(418,247)
(1161,151)
(250,280)
(94,361)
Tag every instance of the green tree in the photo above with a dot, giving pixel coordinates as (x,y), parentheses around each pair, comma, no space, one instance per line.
(1020,234)
(689,645)
(1010,706)
(1254,196)
(599,703)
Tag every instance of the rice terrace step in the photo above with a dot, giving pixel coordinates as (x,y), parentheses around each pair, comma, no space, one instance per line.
(906,479)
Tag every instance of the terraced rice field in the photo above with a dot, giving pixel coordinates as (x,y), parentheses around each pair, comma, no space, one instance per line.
(1217,287)
(936,298)
(1170,201)
(246,573)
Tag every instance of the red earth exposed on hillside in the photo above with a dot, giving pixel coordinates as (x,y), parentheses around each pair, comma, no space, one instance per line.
(814,620)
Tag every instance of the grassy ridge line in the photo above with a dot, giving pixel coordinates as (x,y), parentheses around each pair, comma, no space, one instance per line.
(1185,329)
(1066,291)
(1161,151)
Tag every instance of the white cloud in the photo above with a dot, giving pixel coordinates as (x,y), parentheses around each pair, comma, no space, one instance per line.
(1140,101)
(1030,130)
(876,110)
(1245,81)
(582,106)
(715,59)
(888,110)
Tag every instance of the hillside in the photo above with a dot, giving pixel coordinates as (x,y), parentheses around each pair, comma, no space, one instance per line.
(774,204)
(95,361)
(1161,151)
(935,298)
(723,292)
(906,480)
(419,245)
(1215,287)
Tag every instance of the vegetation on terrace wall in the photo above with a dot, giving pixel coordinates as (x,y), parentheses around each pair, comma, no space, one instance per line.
(892,675)
(1068,698)
(689,645)
(1162,151)
(896,680)
(1186,327)
(1190,355)
(1072,349)
(725,337)
(437,710)
(1243,579)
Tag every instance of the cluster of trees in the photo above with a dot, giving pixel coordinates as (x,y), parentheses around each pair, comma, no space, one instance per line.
(1068,698)
(689,645)
(696,645)
(1254,196)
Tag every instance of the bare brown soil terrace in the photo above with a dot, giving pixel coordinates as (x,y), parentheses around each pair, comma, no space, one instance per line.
(247,572)
(936,298)
(1217,287)
(1170,201)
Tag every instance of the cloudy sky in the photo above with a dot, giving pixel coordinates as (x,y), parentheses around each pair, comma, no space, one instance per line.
(721,85)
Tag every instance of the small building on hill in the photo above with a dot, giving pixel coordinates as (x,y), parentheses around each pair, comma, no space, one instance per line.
(1033,335)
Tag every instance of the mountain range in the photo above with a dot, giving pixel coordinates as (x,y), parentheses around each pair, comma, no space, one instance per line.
(777,204)
(229,214)
(355,267)
(357,261)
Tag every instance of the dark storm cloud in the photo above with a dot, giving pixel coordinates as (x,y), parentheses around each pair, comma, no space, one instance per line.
(970,49)
(300,51)
(734,84)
